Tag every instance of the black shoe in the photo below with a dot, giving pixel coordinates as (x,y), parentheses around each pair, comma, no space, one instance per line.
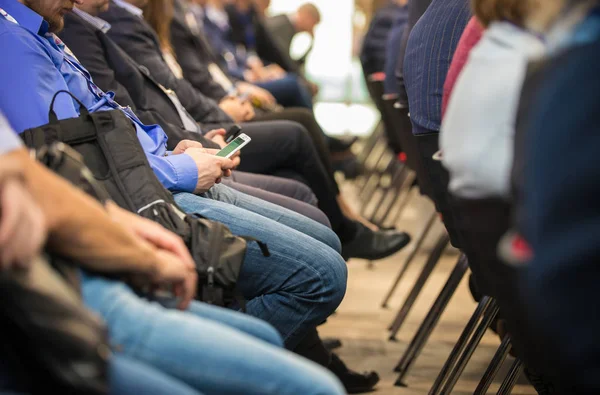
(341,144)
(332,343)
(374,245)
(355,383)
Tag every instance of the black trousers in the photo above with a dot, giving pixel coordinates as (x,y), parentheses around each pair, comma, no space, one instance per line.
(288,146)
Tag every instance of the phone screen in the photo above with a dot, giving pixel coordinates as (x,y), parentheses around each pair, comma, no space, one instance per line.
(231,147)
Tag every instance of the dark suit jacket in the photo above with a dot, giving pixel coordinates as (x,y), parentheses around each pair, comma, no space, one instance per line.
(138,39)
(558,129)
(194,54)
(266,47)
(283,31)
(113,70)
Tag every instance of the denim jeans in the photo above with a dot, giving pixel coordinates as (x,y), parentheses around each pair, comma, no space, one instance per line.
(304,279)
(213,350)
(128,376)
(289,91)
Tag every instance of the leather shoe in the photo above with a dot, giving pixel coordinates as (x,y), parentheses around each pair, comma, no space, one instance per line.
(371,245)
(354,382)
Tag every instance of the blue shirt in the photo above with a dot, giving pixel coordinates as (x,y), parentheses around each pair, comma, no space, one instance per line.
(35,65)
(8,138)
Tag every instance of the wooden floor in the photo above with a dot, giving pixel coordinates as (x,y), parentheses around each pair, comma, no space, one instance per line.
(361,323)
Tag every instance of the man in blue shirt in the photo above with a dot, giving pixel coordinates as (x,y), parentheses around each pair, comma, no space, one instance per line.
(44,204)
(295,289)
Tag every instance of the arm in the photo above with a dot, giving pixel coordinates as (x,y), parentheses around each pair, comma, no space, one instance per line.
(79,227)
(33,87)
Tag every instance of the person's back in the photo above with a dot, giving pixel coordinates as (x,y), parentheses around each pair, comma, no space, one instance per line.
(429,52)
(373,51)
(478,127)
(558,214)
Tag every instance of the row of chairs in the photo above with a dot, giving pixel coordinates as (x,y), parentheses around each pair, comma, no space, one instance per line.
(395,162)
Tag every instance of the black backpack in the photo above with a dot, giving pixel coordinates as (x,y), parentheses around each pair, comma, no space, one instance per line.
(109,147)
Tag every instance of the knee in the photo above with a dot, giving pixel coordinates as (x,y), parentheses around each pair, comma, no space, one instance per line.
(333,275)
(305,194)
(266,332)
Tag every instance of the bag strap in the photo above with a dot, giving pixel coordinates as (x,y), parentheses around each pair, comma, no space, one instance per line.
(52,115)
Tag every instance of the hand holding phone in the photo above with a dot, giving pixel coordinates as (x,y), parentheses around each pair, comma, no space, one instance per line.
(234,146)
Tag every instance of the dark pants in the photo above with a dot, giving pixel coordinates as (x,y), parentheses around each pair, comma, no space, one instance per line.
(307,119)
(290,194)
(285,145)
(289,91)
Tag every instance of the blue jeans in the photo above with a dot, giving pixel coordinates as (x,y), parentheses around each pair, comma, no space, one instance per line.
(304,279)
(289,91)
(214,350)
(128,376)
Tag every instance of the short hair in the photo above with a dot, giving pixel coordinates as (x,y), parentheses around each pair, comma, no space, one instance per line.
(312,10)
(515,11)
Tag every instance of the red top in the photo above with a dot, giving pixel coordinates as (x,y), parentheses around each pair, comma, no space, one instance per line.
(470,37)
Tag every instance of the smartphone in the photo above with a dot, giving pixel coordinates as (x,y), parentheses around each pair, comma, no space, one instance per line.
(232,133)
(233,147)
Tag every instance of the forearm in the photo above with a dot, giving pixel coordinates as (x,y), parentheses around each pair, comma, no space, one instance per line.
(80,228)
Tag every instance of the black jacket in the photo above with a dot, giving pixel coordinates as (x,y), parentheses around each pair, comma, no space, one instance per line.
(194,54)
(138,39)
(113,70)
(266,47)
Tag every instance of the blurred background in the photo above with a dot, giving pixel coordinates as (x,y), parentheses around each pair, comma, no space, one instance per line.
(343,105)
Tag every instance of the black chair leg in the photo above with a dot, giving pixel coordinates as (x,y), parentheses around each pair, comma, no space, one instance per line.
(372,183)
(402,193)
(460,345)
(415,249)
(511,378)
(464,359)
(431,263)
(397,170)
(494,367)
(431,320)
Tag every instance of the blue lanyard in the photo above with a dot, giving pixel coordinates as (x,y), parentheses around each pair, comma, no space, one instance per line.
(104,98)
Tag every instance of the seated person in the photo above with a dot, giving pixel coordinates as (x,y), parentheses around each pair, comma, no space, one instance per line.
(289,145)
(470,37)
(392,47)
(478,129)
(108,240)
(239,56)
(284,27)
(416,8)
(373,50)
(200,66)
(307,250)
(559,216)
(424,75)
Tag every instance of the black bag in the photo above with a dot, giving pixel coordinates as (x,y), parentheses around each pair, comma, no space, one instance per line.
(60,345)
(108,144)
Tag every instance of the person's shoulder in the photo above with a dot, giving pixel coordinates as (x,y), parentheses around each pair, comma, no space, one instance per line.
(15,39)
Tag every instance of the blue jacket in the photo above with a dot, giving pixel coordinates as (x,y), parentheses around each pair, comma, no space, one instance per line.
(373,52)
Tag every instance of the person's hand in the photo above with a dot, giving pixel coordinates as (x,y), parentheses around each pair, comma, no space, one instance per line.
(251,76)
(274,72)
(236,109)
(175,265)
(217,136)
(185,144)
(235,158)
(314,88)
(23,227)
(211,168)
(256,92)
